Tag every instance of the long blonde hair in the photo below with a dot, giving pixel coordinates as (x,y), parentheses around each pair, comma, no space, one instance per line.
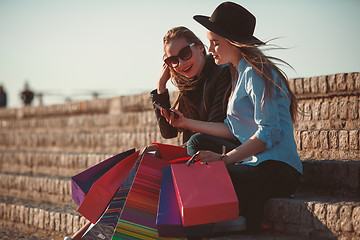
(264,65)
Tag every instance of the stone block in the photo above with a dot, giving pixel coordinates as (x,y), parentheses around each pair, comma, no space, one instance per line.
(57,221)
(356,220)
(306,140)
(323,84)
(354,139)
(320,216)
(342,110)
(345,214)
(341,82)
(315,139)
(331,79)
(333,139)
(306,84)
(76,224)
(332,218)
(353,110)
(63,220)
(324,139)
(316,110)
(299,89)
(41,218)
(343,140)
(47,221)
(69,223)
(314,82)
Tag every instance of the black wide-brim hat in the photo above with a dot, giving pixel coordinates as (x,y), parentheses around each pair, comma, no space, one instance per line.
(231,21)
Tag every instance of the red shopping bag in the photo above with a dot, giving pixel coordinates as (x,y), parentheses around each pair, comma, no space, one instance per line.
(205,193)
(82,182)
(171,153)
(103,190)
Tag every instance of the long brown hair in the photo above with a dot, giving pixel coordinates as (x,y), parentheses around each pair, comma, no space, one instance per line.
(182,83)
(264,65)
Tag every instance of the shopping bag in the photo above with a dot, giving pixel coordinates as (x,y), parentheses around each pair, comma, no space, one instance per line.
(103,190)
(205,193)
(105,227)
(82,182)
(138,218)
(172,153)
(168,221)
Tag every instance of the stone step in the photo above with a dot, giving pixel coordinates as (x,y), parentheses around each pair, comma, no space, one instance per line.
(310,217)
(313,115)
(325,115)
(315,217)
(49,163)
(93,142)
(39,188)
(129,121)
(343,84)
(333,177)
(328,144)
(17,213)
(312,144)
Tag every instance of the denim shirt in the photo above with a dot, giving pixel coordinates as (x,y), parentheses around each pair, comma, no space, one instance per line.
(270,122)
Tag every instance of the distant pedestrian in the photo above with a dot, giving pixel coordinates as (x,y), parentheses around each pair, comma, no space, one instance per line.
(3,97)
(27,95)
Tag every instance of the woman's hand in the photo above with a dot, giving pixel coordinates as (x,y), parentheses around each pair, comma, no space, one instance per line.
(208,156)
(163,79)
(179,121)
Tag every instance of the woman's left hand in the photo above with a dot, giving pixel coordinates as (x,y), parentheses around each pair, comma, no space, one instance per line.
(208,156)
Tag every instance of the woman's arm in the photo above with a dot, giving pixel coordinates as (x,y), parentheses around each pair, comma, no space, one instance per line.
(218,129)
(167,131)
(250,148)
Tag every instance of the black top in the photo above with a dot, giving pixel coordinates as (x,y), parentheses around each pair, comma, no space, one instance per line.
(210,94)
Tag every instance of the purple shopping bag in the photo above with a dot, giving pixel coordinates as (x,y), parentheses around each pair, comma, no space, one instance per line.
(82,182)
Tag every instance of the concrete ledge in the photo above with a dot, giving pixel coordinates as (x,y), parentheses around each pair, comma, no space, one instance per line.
(340,178)
(311,218)
(322,115)
(48,163)
(48,217)
(328,144)
(38,188)
(315,218)
(319,114)
(91,142)
(326,86)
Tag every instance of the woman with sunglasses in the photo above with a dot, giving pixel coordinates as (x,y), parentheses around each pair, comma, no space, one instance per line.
(203,86)
(260,114)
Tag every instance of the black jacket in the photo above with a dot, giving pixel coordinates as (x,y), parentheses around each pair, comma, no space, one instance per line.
(211,95)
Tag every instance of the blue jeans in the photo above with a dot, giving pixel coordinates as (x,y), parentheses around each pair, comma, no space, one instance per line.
(200,141)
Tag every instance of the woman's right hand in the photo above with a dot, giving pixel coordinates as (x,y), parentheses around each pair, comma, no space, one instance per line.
(179,121)
(163,79)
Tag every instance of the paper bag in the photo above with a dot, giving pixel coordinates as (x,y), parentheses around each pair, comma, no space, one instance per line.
(205,193)
(103,190)
(138,218)
(168,221)
(82,182)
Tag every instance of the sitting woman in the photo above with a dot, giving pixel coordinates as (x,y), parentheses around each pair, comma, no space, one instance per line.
(260,114)
(204,87)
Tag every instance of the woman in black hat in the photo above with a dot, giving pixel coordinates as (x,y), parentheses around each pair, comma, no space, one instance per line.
(260,114)
(203,86)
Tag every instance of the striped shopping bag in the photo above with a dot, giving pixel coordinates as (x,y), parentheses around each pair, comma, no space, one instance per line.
(138,218)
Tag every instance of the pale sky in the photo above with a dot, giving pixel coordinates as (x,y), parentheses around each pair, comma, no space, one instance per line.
(71,48)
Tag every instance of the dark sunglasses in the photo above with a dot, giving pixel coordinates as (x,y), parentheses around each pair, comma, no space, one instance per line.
(185,54)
